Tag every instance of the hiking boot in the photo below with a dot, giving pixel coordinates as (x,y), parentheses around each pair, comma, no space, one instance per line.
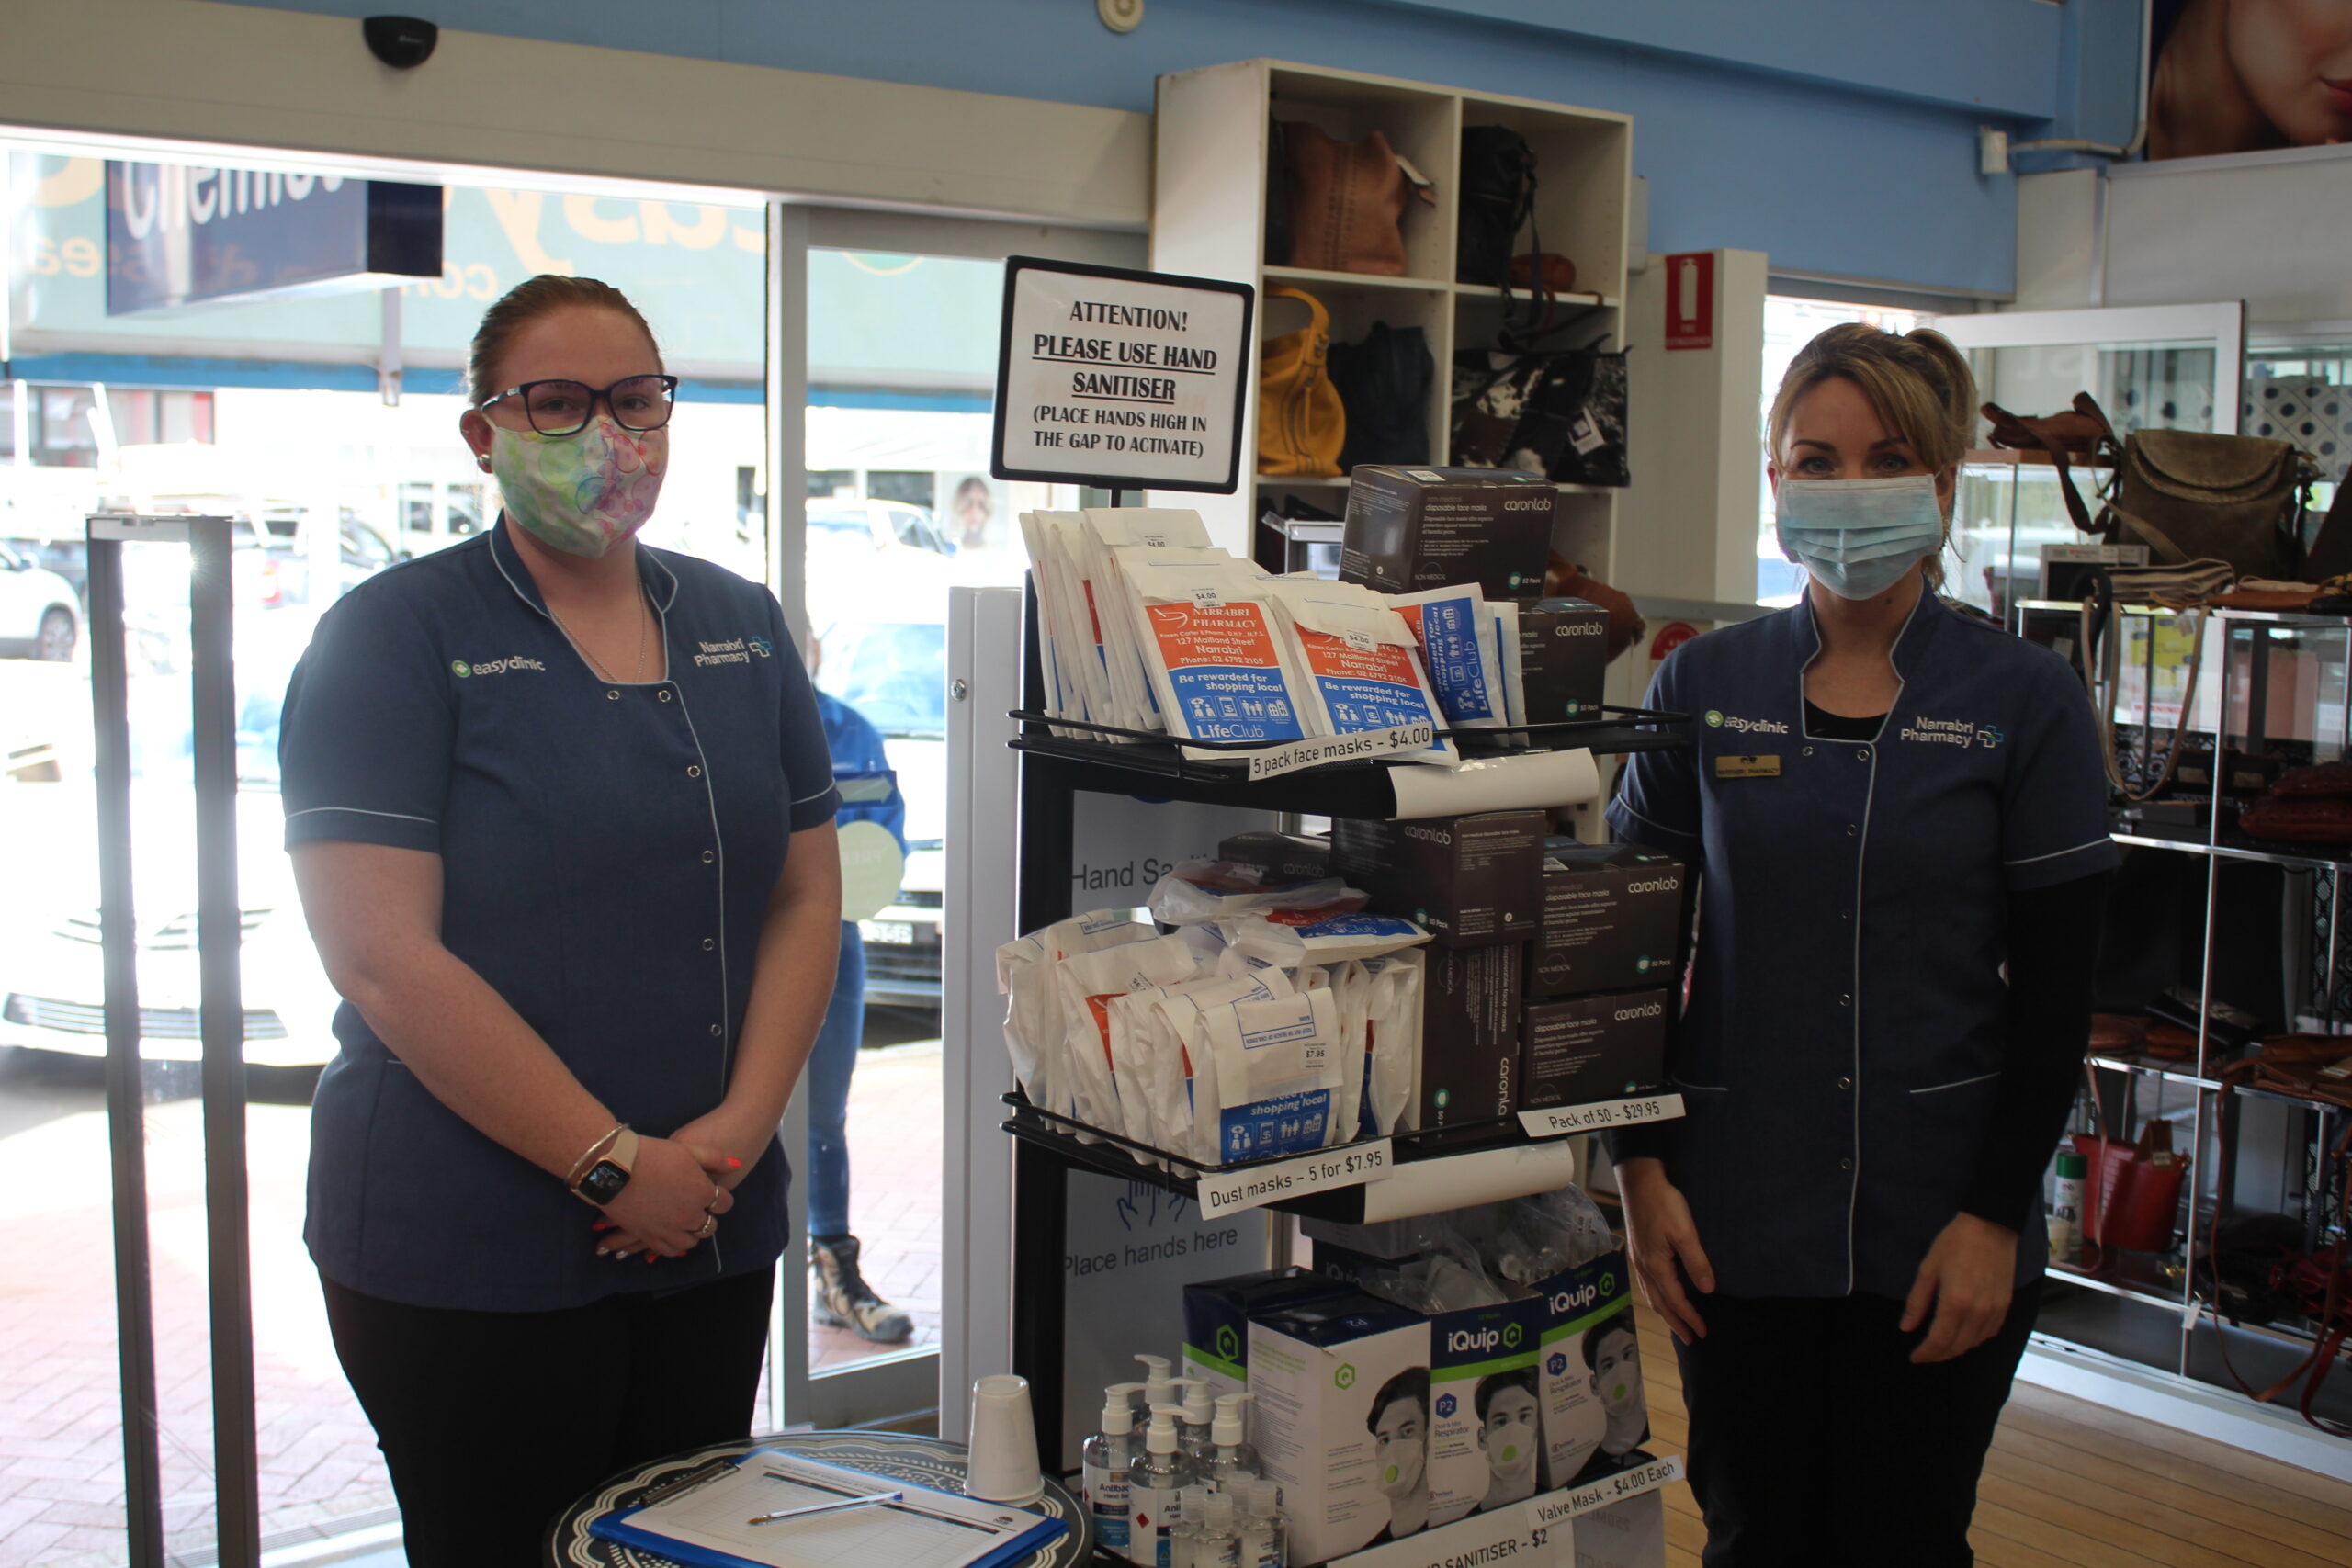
(843,1298)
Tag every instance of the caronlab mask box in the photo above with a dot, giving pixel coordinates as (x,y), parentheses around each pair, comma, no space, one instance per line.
(1321,1374)
(1301,857)
(1411,528)
(1595,1411)
(1563,659)
(1582,1050)
(1472,881)
(1470,1011)
(1217,1321)
(1611,919)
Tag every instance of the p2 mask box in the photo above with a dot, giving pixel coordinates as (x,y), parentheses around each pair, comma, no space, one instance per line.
(1595,1411)
(1563,659)
(1413,529)
(1611,919)
(1288,857)
(1334,1386)
(1470,1030)
(1217,1321)
(1469,881)
(1579,1050)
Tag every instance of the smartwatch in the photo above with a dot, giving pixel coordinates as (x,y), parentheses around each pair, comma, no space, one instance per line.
(610,1174)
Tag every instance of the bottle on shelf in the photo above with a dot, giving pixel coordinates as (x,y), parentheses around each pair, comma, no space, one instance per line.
(1104,1463)
(1195,1433)
(1154,1479)
(2066,1208)
(1264,1527)
(1182,1541)
(1216,1541)
(1230,1459)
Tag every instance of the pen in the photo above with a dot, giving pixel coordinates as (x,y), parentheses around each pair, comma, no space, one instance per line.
(866,1502)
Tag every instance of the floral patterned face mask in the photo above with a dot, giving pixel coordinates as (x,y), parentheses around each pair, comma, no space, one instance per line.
(581,494)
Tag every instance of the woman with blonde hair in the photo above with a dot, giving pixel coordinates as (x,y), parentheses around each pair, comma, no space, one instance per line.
(1898,816)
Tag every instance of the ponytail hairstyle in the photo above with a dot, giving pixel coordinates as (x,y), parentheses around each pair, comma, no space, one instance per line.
(527,302)
(1917,383)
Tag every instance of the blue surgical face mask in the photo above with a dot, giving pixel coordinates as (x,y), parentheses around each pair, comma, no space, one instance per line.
(1857,537)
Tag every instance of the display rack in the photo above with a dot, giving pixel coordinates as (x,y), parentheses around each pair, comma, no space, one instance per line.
(2158,1311)
(1208,219)
(1054,771)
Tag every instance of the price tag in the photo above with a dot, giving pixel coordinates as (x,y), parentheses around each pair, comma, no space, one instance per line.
(1363,746)
(1350,1165)
(1358,638)
(1551,1508)
(1559,1119)
(1503,1536)
(1208,599)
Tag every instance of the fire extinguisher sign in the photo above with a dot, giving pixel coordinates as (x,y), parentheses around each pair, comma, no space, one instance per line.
(1690,300)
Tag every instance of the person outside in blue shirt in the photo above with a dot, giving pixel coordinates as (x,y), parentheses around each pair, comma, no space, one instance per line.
(869,793)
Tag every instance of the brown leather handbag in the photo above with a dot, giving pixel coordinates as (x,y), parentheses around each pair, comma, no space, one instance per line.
(1347,201)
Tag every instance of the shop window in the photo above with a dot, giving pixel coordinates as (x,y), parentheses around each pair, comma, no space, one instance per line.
(62,435)
(144,417)
(464,510)
(912,486)
(417,507)
(7,421)
(833,484)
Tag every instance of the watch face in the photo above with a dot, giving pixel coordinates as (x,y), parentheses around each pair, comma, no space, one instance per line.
(603,1184)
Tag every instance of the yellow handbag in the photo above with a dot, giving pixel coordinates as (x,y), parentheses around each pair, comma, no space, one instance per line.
(1300,422)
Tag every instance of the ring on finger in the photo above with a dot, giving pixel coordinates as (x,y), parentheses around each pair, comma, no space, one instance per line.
(710,1224)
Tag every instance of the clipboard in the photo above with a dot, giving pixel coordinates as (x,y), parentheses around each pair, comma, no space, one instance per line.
(703,1522)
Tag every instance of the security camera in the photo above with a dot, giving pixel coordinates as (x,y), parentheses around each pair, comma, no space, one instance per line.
(400,42)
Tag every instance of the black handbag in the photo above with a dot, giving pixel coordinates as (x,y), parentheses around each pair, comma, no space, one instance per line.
(1498,199)
(1560,414)
(1384,385)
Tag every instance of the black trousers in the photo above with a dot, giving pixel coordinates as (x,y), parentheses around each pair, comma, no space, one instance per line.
(1816,1442)
(492,1421)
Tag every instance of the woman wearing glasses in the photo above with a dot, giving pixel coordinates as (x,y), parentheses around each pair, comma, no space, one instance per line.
(562,818)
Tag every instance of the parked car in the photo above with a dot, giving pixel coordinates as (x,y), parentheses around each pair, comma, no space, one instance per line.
(40,616)
(882,522)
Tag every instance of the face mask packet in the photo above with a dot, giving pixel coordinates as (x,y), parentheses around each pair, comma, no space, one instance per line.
(1549,1233)
(1072,620)
(1392,1040)
(1460,652)
(1204,890)
(1219,665)
(1089,981)
(1351,985)
(1327,935)
(1034,1031)
(1123,642)
(1504,613)
(1278,1074)
(1181,1079)
(1362,669)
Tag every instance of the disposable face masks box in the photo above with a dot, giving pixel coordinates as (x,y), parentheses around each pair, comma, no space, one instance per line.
(1595,1411)
(1611,919)
(1470,1011)
(1581,1050)
(1484,1414)
(1217,1321)
(1409,529)
(1563,659)
(1304,857)
(1475,881)
(1318,1375)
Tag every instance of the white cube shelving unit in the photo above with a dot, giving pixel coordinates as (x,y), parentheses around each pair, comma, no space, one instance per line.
(1209,220)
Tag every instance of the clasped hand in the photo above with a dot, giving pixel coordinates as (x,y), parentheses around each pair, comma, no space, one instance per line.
(672,1200)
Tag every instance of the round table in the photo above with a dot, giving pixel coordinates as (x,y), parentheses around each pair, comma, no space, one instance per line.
(926,1462)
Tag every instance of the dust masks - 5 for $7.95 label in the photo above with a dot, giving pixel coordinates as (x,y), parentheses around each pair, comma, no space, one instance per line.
(1857,537)
(581,494)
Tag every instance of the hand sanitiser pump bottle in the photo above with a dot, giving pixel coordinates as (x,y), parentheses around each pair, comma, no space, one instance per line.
(1158,1474)
(1229,1459)
(1159,1388)
(1194,1432)
(1106,1458)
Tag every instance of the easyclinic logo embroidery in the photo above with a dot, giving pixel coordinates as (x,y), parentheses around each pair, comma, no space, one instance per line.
(512,663)
(1953,732)
(1718,719)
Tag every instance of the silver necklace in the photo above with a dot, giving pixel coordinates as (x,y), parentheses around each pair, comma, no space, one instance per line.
(637,670)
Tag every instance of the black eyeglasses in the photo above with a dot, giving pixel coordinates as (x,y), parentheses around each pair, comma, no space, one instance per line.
(563,408)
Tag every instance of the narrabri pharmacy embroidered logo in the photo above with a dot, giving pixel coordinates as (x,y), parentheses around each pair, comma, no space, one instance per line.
(1953,732)
(512,661)
(734,650)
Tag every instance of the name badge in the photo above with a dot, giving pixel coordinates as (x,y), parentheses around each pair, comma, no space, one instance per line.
(1767,767)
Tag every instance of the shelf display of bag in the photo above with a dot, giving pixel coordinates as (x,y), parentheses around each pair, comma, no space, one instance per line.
(2307,805)
(1383,386)
(1557,412)
(2132,1200)
(1343,203)
(1302,422)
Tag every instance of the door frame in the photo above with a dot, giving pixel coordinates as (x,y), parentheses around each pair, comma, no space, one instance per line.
(2219,322)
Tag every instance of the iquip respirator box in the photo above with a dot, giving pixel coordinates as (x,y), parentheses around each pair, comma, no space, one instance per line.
(1595,1411)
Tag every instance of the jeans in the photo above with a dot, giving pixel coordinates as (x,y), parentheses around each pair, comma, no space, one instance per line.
(831,1063)
(1815,1440)
(493,1422)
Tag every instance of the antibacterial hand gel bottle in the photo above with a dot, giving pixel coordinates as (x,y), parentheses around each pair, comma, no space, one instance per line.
(1194,1432)
(1215,1542)
(1184,1533)
(1158,1474)
(1230,1459)
(1265,1528)
(1106,1458)
(1159,1388)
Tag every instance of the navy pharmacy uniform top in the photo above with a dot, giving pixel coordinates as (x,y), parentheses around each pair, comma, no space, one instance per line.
(607,853)
(1838,1060)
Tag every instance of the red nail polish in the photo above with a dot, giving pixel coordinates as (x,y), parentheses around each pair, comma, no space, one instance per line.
(734,1164)
(652,1255)
(601,1225)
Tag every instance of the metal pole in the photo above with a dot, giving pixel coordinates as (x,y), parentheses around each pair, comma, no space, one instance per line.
(219,936)
(125,1124)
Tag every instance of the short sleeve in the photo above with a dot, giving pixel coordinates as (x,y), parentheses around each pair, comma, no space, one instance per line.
(808,761)
(2053,798)
(365,740)
(1657,792)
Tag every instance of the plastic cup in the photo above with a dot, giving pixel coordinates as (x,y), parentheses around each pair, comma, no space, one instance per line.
(1002,1464)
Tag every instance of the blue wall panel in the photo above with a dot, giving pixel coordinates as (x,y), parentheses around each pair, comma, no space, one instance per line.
(1755,123)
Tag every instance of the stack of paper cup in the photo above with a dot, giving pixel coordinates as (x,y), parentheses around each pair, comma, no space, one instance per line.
(1002,1464)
